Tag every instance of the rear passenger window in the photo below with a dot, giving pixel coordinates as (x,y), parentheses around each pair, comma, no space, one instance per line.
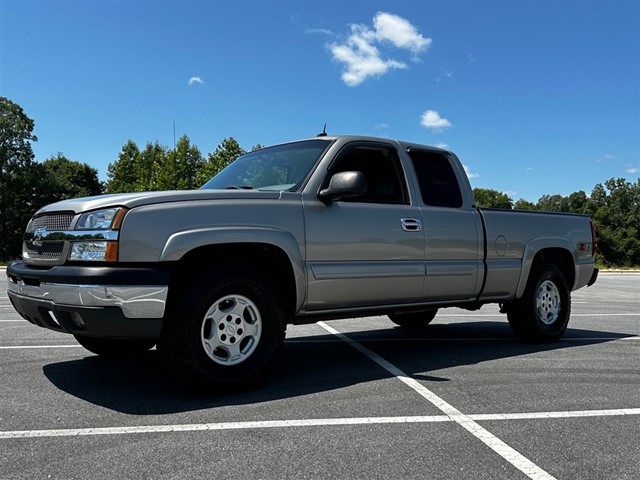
(438,183)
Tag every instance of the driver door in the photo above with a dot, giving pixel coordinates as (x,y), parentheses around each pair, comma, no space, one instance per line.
(368,250)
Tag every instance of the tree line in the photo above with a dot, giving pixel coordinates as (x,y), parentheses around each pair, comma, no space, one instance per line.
(26,185)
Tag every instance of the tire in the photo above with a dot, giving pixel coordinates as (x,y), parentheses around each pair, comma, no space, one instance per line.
(414,320)
(542,314)
(224,330)
(115,347)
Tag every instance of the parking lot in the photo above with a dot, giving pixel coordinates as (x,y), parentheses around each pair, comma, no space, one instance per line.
(357,398)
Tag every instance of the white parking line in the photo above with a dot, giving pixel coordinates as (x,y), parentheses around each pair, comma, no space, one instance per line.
(315,422)
(461,339)
(545,415)
(37,347)
(510,454)
(198,427)
(500,315)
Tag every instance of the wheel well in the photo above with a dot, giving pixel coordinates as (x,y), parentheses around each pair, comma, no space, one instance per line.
(562,259)
(272,261)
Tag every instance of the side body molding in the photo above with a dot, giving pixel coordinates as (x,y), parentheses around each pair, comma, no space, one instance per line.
(180,243)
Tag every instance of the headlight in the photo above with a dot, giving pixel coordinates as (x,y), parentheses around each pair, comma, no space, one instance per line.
(107,219)
(97,237)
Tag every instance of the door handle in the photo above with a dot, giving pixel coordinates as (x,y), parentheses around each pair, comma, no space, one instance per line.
(411,224)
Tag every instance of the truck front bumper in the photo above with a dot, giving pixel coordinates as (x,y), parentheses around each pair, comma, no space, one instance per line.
(93,301)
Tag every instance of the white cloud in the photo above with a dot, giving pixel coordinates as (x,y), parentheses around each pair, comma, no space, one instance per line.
(381,126)
(361,56)
(193,80)
(432,120)
(470,175)
(324,31)
(296,19)
(605,158)
(632,170)
(362,59)
(442,145)
(400,32)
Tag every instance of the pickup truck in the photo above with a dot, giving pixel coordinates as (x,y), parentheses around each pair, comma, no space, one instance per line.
(324,228)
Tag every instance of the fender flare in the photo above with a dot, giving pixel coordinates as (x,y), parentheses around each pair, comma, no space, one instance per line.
(180,243)
(532,248)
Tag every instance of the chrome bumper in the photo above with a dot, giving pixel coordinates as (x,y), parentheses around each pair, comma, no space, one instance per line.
(135,301)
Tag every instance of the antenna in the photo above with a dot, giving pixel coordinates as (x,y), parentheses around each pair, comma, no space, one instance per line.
(324,131)
(174,135)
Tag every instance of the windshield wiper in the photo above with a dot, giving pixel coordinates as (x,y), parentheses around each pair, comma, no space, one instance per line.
(239,187)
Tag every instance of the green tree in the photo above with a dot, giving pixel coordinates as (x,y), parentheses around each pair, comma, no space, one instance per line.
(181,167)
(523,204)
(62,178)
(17,170)
(225,153)
(122,173)
(553,203)
(617,217)
(577,202)
(148,165)
(492,198)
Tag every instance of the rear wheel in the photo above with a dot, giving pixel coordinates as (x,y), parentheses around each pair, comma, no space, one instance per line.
(542,314)
(115,347)
(414,319)
(225,329)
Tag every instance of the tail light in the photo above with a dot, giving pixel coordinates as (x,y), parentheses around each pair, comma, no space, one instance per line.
(594,239)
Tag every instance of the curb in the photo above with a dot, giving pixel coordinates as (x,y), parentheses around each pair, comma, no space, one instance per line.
(620,272)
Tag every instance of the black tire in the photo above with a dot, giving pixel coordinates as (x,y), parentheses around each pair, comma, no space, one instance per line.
(542,314)
(115,347)
(224,330)
(414,319)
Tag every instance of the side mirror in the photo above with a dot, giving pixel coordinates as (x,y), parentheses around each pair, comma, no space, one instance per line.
(344,185)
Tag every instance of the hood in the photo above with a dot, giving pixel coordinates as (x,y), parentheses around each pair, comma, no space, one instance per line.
(132,200)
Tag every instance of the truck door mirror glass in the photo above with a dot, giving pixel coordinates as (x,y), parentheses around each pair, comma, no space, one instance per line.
(344,185)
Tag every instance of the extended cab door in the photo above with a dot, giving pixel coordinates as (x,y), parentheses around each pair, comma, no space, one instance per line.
(454,240)
(367,250)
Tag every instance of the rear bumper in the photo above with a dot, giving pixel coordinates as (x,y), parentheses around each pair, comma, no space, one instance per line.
(594,277)
(92,301)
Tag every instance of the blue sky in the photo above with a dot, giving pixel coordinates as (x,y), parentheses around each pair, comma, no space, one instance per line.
(536,97)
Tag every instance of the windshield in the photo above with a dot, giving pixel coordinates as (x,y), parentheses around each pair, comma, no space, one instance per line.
(282,167)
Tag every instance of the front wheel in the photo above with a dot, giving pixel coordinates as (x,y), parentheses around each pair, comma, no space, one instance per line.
(542,314)
(225,329)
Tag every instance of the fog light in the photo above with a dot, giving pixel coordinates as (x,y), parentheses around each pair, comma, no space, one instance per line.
(92,251)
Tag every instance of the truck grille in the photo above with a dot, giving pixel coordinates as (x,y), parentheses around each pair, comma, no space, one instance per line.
(53,222)
(48,251)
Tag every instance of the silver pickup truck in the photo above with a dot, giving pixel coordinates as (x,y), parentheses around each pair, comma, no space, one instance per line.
(324,228)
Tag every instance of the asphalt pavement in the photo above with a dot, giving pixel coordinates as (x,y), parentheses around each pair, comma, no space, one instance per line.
(356,398)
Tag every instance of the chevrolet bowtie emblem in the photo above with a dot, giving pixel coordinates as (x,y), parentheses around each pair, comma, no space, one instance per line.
(38,236)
